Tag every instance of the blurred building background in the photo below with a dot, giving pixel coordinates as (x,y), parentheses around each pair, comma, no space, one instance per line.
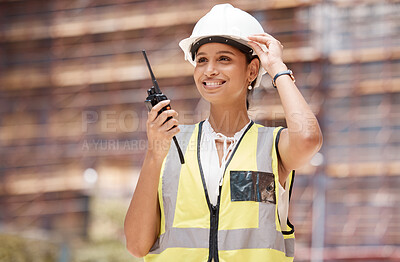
(72,120)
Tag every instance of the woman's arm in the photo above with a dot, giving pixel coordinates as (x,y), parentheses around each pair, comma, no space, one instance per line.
(142,221)
(303,138)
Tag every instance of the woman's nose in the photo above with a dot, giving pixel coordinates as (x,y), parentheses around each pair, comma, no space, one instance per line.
(211,69)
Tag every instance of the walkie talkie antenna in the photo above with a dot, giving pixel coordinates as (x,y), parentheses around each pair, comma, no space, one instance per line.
(153,78)
(156,96)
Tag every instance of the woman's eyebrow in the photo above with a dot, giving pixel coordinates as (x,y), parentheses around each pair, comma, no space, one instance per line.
(219,52)
(225,52)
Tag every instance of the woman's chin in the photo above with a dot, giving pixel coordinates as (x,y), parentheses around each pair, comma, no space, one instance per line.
(211,93)
(215,99)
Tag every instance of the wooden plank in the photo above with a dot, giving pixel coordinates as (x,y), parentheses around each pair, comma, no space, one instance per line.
(69,177)
(352,140)
(385,168)
(58,180)
(72,129)
(47,207)
(351,3)
(366,87)
(364,55)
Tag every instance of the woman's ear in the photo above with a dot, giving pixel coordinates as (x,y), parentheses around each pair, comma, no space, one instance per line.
(253,68)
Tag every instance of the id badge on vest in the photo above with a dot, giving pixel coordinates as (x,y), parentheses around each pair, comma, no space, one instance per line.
(252,186)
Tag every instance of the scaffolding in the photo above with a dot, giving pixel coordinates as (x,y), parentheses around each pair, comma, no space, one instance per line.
(73,82)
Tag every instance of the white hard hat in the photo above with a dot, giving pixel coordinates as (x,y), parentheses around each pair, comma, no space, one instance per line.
(223,24)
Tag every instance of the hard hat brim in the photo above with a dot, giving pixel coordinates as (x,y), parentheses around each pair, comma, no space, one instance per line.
(222,40)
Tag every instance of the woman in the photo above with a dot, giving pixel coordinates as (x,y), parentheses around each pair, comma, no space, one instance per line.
(229,200)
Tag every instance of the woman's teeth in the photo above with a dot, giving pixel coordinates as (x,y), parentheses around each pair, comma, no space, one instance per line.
(212,84)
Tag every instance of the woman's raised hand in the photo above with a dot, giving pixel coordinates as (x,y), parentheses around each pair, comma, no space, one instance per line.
(271,59)
(160,131)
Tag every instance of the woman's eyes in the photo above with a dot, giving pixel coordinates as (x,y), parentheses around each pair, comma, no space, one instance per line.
(201,60)
(222,58)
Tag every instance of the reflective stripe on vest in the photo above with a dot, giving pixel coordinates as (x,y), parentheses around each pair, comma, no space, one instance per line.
(247,230)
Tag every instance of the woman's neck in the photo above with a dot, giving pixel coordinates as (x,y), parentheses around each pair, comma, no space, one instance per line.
(229,119)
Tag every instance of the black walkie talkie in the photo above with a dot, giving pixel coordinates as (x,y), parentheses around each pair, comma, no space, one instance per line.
(154,97)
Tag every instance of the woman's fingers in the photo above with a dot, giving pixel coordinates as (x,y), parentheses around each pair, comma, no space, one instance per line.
(256,47)
(270,58)
(154,111)
(160,120)
(161,128)
(264,39)
(264,35)
(173,131)
(169,124)
(158,128)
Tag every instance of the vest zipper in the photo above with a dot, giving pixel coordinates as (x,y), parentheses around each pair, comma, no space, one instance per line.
(213,252)
(214,210)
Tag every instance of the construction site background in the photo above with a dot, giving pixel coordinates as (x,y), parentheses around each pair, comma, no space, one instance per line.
(72,120)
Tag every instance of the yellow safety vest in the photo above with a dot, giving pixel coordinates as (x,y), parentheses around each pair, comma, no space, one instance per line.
(244,225)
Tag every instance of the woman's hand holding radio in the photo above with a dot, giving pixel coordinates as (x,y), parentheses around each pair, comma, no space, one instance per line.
(160,130)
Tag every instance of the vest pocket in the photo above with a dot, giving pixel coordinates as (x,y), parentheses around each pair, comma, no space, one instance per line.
(252,186)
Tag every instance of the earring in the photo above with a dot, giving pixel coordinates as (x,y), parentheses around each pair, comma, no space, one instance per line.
(249,87)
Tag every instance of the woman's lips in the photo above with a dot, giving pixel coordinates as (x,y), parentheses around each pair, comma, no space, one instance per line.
(210,85)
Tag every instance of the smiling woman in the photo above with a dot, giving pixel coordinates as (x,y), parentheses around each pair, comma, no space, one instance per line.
(222,71)
(229,200)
